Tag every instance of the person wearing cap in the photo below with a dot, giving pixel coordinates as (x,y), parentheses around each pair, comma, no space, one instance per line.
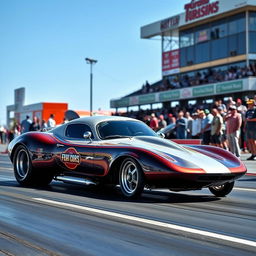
(216,128)
(250,128)
(206,120)
(161,123)
(233,124)
(171,119)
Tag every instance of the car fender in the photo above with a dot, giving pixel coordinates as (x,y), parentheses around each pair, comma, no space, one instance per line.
(33,141)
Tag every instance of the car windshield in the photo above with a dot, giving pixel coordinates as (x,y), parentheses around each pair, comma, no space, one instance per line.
(122,129)
(168,128)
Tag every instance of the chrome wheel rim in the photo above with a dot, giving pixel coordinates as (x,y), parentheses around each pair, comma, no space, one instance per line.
(22,163)
(129,177)
(218,188)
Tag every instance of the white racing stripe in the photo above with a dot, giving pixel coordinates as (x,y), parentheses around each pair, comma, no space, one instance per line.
(152,222)
(246,189)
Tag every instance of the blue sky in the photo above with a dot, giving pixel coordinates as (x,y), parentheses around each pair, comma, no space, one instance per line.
(44,42)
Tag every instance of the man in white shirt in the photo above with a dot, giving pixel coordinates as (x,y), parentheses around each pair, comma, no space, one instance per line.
(196,126)
(51,122)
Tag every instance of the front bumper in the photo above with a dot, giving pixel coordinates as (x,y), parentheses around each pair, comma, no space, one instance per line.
(181,181)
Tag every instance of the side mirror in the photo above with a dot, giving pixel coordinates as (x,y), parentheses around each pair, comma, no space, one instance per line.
(161,135)
(87,135)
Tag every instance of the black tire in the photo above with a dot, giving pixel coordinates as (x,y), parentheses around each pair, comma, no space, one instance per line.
(24,172)
(222,190)
(131,179)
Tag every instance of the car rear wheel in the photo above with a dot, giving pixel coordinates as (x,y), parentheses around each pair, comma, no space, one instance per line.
(131,178)
(222,190)
(24,172)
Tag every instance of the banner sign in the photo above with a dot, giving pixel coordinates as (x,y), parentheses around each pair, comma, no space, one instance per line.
(229,87)
(203,90)
(246,84)
(200,8)
(170,23)
(170,62)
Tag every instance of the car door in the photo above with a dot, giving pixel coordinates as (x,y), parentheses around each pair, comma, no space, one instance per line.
(77,155)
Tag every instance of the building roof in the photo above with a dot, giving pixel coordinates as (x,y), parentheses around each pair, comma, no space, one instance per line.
(195,11)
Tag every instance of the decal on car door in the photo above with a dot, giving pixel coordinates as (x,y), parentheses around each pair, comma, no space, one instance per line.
(71,158)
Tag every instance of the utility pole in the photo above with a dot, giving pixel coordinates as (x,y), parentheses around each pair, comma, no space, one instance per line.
(91,62)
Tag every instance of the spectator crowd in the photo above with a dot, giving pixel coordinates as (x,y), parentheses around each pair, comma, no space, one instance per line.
(211,75)
(231,126)
(7,135)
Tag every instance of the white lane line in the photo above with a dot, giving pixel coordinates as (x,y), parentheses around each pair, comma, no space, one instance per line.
(151,222)
(246,189)
(6,168)
(6,179)
(5,162)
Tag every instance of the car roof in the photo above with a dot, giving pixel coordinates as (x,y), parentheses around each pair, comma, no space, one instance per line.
(93,120)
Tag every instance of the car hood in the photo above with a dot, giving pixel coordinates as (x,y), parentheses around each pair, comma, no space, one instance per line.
(186,157)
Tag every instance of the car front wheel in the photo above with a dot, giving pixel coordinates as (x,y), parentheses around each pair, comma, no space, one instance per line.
(131,178)
(222,190)
(25,173)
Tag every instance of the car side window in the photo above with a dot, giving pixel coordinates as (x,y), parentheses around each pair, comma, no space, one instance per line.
(76,131)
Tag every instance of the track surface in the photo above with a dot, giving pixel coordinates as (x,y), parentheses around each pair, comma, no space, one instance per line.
(66,219)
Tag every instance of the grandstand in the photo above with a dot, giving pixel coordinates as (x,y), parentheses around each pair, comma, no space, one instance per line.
(208,53)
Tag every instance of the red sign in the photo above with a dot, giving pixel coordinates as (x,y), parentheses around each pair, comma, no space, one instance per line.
(71,158)
(200,8)
(170,62)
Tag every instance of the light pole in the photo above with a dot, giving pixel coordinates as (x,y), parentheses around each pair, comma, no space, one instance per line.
(91,62)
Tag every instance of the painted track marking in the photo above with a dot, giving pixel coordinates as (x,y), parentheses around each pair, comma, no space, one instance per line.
(6,168)
(151,222)
(5,162)
(246,189)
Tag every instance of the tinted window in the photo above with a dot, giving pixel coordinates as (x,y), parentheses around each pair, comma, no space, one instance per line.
(190,55)
(77,131)
(110,129)
(219,48)
(183,57)
(236,24)
(219,29)
(186,39)
(232,45)
(241,43)
(252,21)
(202,52)
(252,44)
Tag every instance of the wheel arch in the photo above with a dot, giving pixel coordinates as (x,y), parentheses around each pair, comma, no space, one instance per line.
(15,147)
(114,169)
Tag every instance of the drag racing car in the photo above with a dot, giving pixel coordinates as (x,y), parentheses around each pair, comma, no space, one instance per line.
(120,151)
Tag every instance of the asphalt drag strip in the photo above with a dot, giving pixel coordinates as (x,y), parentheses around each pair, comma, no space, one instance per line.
(167,226)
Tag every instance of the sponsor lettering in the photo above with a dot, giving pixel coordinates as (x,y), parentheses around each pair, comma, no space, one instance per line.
(70,158)
(200,8)
(170,23)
